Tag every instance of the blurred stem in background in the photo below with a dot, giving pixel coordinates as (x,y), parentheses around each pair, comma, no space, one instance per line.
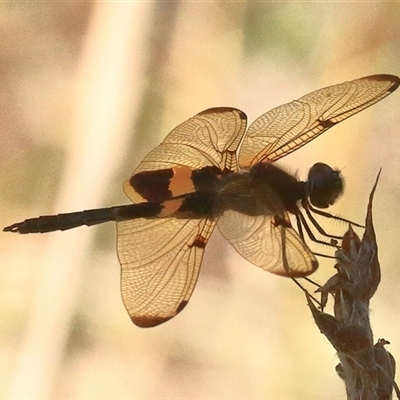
(107,95)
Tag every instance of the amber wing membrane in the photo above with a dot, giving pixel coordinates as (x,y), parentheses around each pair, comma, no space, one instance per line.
(210,138)
(160,259)
(160,262)
(274,248)
(286,128)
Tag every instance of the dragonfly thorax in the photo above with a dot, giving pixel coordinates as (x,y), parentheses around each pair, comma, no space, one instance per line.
(271,181)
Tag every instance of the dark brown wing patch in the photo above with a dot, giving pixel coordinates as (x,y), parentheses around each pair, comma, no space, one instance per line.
(162,185)
(159,186)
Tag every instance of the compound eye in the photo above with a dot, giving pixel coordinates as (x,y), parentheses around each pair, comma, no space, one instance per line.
(325,185)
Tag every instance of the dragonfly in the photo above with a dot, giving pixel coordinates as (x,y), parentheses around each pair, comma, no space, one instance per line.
(210,171)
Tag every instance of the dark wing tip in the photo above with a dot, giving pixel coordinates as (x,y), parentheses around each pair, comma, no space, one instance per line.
(396,82)
(314,265)
(222,110)
(292,273)
(301,274)
(386,77)
(149,321)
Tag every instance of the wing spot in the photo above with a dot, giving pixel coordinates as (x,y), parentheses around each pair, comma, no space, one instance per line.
(277,220)
(199,242)
(326,124)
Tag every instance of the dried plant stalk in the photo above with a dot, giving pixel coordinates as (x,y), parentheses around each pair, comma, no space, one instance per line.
(367,369)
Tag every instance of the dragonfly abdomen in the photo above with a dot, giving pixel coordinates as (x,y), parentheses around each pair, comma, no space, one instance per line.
(62,222)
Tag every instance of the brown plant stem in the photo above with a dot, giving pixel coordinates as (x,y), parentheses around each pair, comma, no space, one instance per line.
(367,369)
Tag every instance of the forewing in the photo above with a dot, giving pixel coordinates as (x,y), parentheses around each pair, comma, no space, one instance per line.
(286,128)
(210,138)
(273,246)
(160,261)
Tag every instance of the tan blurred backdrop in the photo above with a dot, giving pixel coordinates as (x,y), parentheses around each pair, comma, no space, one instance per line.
(86,90)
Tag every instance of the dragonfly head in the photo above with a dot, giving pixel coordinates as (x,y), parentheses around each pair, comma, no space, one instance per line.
(324,185)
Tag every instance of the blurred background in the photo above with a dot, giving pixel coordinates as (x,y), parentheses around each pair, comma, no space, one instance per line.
(86,90)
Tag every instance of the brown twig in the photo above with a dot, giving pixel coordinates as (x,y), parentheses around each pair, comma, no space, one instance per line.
(367,369)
